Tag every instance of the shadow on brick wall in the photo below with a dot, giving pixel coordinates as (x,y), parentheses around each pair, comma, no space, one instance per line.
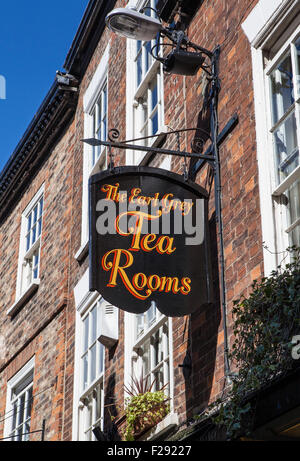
(202,341)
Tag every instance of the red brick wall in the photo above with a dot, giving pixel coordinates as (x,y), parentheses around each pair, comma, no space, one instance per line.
(38,328)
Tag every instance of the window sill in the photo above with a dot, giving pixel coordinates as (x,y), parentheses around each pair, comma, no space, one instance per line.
(162,429)
(24,298)
(143,86)
(287,182)
(91,387)
(33,248)
(82,252)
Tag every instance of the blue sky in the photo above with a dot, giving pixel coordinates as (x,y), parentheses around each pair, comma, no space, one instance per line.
(35,37)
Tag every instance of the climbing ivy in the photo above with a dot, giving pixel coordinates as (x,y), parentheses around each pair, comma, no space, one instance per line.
(264,325)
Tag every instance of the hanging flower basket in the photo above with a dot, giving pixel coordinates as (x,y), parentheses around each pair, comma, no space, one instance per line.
(143,412)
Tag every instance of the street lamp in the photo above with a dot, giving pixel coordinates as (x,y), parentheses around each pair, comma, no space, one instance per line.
(131,23)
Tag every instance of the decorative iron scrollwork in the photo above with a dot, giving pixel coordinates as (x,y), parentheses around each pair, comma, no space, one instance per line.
(113,134)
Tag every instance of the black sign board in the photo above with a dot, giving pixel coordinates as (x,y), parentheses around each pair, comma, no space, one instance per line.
(149,240)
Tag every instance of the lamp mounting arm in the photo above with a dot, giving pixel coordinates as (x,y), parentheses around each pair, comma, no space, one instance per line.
(186,58)
(179,38)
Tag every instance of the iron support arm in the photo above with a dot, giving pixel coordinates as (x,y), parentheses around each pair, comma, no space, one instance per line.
(154,150)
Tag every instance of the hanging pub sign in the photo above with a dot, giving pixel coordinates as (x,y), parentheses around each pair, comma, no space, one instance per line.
(149,240)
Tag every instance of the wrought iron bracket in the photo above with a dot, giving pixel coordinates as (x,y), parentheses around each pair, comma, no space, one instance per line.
(220,139)
(114,134)
(155,150)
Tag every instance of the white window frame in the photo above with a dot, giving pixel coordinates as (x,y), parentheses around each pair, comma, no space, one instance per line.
(132,345)
(280,209)
(98,117)
(24,291)
(84,399)
(90,98)
(17,380)
(134,93)
(268,25)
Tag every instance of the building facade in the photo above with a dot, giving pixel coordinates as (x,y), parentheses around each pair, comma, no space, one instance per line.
(56,377)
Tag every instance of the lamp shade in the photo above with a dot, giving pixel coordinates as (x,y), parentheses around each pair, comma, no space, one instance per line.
(132,24)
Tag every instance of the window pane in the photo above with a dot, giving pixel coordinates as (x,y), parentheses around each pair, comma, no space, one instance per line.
(158,350)
(36,264)
(19,432)
(35,272)
(15,412)
(297,45)
(104,101)
(33,235)
(98,114)
(146,358)
(166,338)
(21,409)
(86,334)
(26,432)
(151,315)
(29,273)
(282,88)
(85,371)
(294,202)
(94,324)
(148,56)
(139,69)
(286,148)
(94,156)
(139,324)
(154,96)
(20,387)
(98,403)
(167,379)
(104,129)
(41,207)
(28,242)
(154,123)
(159,379)
(93,363)
(29,403)
(35,214)
(101,367)
(40,227)
(295,236)
(147,10)
(29,223)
